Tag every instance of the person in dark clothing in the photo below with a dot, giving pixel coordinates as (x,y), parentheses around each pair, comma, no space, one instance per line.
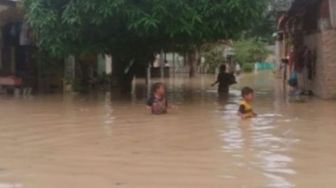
(224,80)
(157,102)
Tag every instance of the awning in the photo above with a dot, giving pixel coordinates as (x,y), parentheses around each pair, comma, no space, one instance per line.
(298,10)
(300,6)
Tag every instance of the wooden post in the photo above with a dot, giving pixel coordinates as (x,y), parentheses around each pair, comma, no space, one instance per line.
(69,73)
(162,64)
(148,79)
(332,9)
(192,62)
(13,60)
(174,61)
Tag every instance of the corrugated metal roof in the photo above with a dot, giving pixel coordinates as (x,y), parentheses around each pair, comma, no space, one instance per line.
(299,5)
(8,2)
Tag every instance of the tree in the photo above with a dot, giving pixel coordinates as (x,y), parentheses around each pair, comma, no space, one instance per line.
(135,29)
(250,50)
(214,55)
(265,27)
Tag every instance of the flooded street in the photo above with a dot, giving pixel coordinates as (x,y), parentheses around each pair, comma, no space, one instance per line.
(103,142)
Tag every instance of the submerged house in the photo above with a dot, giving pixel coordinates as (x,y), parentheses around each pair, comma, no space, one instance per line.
(10,46)
(307,39)
(22,65)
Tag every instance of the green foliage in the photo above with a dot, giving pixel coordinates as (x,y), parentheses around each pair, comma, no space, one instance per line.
(266,26)
(213,54)
(250,50)
(136,28)
(263,29)
(248,67)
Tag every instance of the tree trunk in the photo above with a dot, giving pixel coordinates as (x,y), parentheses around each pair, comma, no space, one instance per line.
(198,60)
(162,66)
(83,76)
(174,64)
(120,79)
(192,61)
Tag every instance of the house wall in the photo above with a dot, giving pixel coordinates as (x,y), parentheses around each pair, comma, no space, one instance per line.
(328,52)
(324,82)
(323,43)
(332,10)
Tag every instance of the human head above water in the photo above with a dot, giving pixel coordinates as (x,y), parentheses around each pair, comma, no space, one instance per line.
(158,89)
(247,93)
(222,68)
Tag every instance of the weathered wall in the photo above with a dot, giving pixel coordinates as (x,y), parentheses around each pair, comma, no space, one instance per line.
(324,82)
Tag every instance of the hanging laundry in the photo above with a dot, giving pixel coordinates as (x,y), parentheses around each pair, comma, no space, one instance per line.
(6,35)
(300,59)
(25,35)
(291,60)
(310,64)
(15,33)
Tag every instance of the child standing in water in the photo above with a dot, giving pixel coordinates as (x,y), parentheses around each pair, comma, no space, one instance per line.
(157,102)
(245,109)
(224,80)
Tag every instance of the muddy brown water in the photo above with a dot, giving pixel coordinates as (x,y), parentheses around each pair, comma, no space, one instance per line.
(100,141)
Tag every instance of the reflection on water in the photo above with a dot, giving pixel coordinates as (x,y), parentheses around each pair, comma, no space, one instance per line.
(255,145)
(103,140)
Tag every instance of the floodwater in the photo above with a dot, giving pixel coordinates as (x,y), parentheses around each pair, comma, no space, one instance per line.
(101,141)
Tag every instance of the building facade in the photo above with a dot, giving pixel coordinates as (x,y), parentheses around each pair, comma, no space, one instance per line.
(307,39)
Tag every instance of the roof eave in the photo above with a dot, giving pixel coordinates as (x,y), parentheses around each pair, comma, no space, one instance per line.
(8,3)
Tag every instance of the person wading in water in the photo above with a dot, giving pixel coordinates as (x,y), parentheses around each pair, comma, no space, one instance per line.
(224,81)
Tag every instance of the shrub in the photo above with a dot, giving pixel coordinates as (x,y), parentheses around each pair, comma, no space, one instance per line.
(250,50)
(248,67)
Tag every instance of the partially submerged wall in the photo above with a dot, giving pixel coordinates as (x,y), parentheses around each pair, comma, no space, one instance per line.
(324,82)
